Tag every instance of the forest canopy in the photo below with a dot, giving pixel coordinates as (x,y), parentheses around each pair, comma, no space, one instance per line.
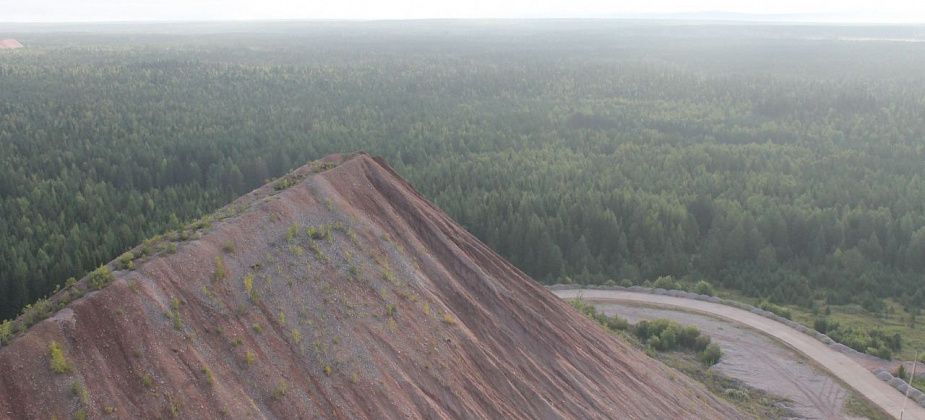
(784,162)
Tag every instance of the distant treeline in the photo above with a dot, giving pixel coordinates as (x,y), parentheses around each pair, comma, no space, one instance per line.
(788,169)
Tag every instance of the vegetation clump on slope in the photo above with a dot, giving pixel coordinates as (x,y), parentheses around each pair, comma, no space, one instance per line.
(57,361)
(6,331)
(100,277)
(661,335)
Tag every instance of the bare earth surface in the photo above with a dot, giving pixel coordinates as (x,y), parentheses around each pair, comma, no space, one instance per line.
(397,312)
(9,44)
(838,364)
(755,359)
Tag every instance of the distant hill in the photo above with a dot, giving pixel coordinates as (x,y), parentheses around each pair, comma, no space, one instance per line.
(9,44)
(721,16)
(335,292)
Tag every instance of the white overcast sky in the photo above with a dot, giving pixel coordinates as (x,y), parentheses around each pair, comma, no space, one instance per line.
(160,10)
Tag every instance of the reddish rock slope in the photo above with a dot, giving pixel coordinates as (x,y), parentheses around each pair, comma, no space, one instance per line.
(337,292)
(9,44)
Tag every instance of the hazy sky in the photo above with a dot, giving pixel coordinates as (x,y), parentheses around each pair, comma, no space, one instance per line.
(120,10)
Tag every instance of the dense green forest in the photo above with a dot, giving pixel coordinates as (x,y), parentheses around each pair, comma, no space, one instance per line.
(784,162)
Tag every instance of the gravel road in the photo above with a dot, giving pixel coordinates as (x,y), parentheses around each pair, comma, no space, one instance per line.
(839,365)
(755,359)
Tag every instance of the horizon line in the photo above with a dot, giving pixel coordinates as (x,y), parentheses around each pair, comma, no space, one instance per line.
(695,17)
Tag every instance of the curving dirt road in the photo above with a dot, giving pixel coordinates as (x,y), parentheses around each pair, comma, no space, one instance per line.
(755,359)
(838,364)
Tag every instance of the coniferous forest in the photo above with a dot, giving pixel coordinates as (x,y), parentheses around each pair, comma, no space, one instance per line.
(786,162)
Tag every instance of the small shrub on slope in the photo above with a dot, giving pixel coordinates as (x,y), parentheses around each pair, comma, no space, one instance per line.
(280,391)
(228,247)
(711,355)
(249,287)
(283,184)
(126,261)
(35,313)
(80,392)
(319,233)
(210,379)
(100,277)
(6,332)
(59,363)
(221,271)
(174,314)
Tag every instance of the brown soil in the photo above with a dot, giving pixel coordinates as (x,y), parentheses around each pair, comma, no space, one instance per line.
(401,313)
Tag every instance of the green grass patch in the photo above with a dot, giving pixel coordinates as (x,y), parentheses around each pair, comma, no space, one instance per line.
(292,232)
(58,362)
(750,401)
(858,407)
(221,270)
(319,253)
(280,391)
(893,320)
(319,232)
(207,373)
(296,250)
(174,314)
(249,287)
(919,384)
(79,391)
